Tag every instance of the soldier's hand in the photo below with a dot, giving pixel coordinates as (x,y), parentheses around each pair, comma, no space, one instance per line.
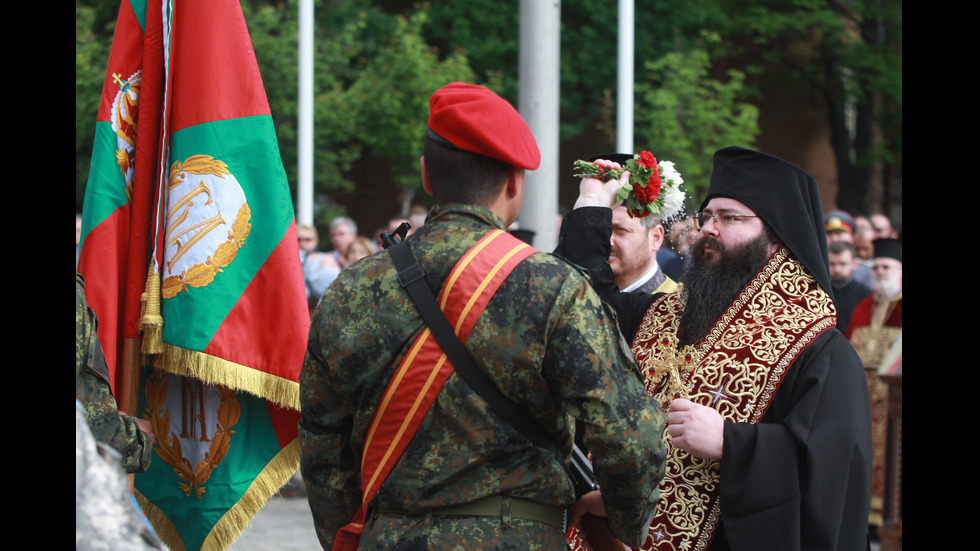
(146,427)
(589,503)
(597,193)
(589,516)
(696,428)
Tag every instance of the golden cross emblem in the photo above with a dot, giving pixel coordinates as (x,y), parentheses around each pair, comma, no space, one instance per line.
(668,362)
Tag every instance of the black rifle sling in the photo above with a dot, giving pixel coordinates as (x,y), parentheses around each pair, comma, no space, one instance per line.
(412,278)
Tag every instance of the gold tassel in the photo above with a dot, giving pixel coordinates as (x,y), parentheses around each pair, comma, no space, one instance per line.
(151,321)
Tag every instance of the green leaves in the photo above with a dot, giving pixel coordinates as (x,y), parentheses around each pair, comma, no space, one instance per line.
(685,115)
(377,63)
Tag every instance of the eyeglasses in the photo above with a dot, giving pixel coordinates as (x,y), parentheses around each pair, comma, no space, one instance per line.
(722,219)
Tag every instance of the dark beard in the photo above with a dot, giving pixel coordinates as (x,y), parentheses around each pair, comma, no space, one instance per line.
(711,288)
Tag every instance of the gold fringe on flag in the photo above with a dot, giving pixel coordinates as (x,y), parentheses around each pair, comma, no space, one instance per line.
(217,371)
(275,475)
(151,322)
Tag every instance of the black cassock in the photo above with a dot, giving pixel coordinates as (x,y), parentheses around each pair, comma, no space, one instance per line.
(799,479)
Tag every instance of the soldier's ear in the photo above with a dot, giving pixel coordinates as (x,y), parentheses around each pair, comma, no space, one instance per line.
(515,182)
(425,176)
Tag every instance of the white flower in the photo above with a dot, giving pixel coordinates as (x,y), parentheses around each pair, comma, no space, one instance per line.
(669,173)
(673,201)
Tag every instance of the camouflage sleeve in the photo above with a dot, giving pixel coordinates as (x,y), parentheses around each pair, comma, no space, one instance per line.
(92,389)
(330,470)
(110,427)
(622,425)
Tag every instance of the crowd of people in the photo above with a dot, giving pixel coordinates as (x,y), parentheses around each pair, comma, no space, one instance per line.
(347,246)
(647,255)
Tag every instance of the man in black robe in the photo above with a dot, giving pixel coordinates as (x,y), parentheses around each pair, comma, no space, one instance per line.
(769,426)
(848,291)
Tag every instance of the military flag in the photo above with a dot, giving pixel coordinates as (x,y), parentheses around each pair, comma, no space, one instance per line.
(224,307)
(114,245)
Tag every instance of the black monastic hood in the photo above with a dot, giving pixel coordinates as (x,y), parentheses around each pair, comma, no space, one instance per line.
(783,194)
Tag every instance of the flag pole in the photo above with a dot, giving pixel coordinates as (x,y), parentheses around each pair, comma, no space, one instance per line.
(144,191)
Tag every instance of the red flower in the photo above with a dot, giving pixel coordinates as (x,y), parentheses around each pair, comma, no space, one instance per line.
(653,186)
(639,213)
(642,194)
(647,160)
(649,192)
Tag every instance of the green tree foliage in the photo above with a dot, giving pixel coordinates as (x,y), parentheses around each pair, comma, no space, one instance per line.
(392,92)
(373,76)
(376,63)
(488,32)
(684,115)
(850,52)
(339,45)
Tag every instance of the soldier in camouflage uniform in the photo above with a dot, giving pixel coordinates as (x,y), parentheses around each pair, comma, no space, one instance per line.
(545,339)
(131,437)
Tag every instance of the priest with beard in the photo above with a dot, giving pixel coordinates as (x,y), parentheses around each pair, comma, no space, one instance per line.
(768,425)
(877,319)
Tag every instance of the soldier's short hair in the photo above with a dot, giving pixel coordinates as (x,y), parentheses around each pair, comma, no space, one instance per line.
(463,177)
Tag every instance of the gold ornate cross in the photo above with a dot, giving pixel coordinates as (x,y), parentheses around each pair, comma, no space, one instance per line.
(668,362)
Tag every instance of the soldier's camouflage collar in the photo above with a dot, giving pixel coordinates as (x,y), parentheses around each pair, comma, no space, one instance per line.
(482,214)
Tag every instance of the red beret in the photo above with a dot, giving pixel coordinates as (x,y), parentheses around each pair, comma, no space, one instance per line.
(474,119)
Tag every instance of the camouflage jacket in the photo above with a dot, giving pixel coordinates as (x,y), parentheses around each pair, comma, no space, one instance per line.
(92,389)
(545,339)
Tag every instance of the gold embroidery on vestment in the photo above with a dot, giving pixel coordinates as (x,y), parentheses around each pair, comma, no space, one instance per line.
(737,370)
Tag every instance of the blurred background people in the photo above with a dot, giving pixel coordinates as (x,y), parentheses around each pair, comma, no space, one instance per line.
(847,291)
(343,230)
(864,234)
(882,226)
(680,238)
(360,247)
(878,318)
(840,226)
(319,268)
(416,217)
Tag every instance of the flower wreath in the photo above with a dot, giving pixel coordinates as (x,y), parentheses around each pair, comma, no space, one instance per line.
(653,188)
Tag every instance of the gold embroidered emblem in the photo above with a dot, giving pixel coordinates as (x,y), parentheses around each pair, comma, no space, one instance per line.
(123,117)
(195,418)
(207,222)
